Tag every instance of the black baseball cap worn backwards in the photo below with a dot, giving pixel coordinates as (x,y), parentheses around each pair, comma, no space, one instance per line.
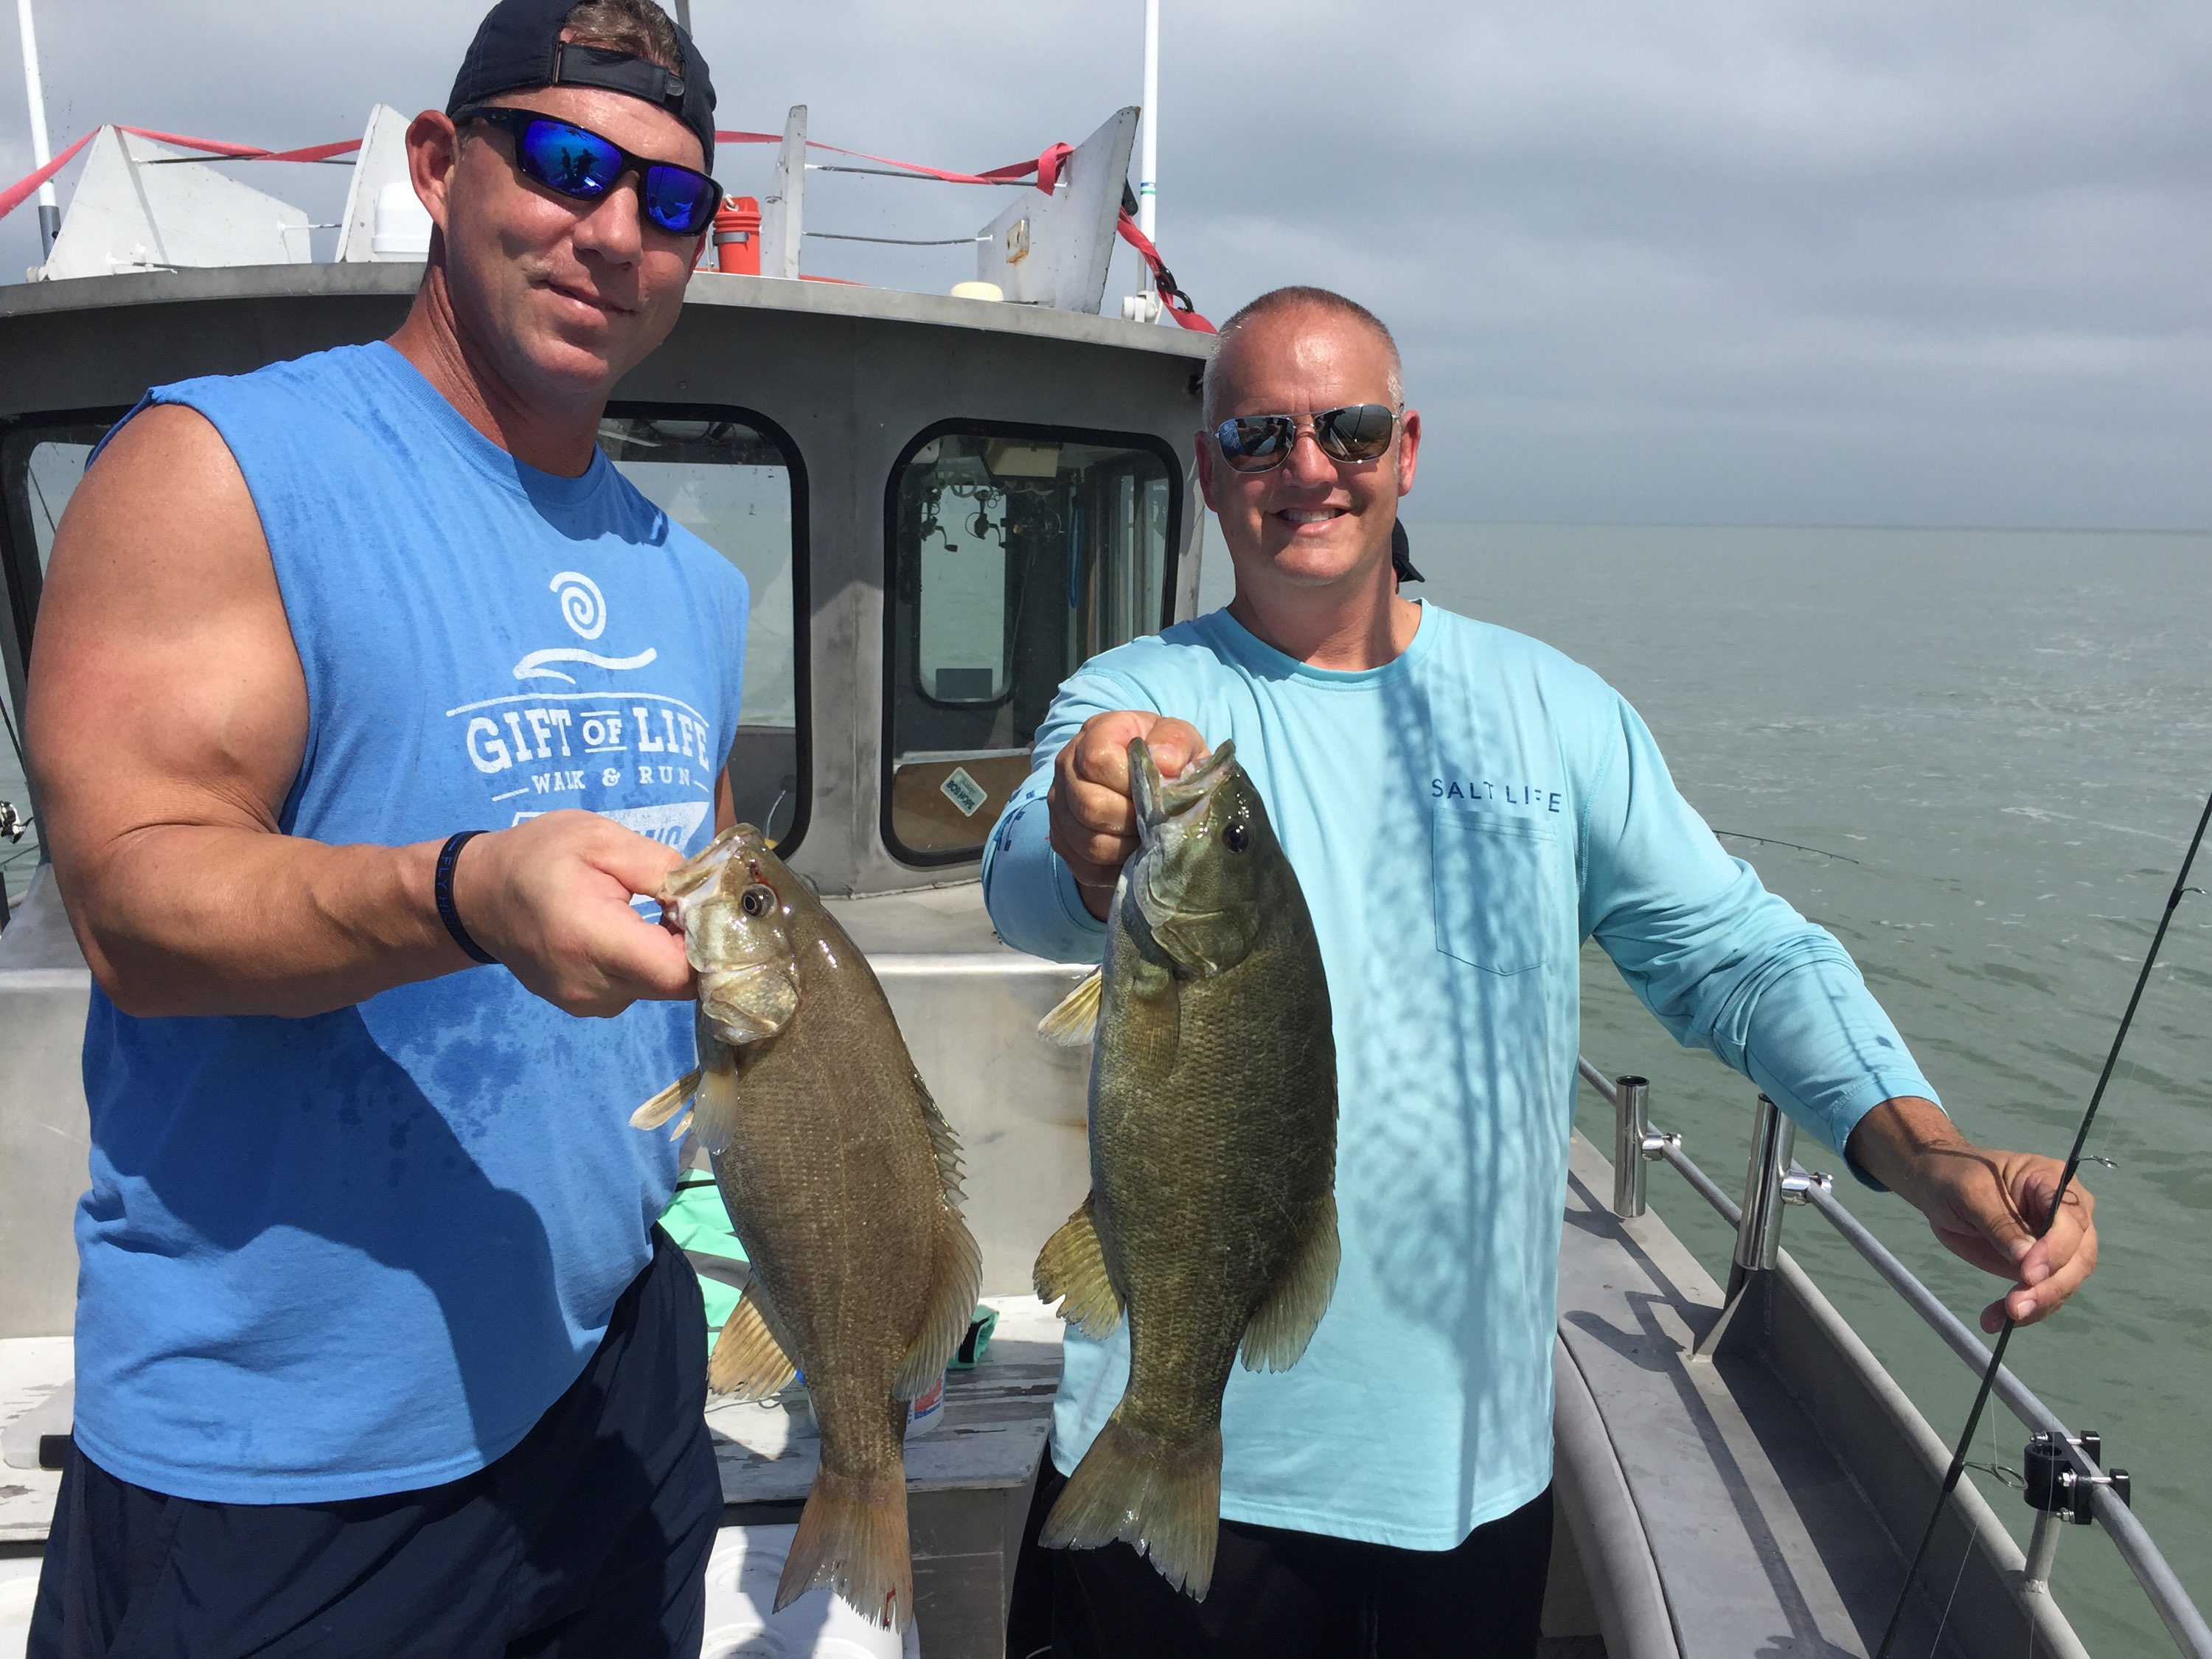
(518,48)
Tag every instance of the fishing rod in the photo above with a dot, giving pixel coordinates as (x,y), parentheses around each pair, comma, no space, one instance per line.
(2073,1164)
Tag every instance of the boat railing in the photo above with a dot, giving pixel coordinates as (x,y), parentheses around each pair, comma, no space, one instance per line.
(2065,1481)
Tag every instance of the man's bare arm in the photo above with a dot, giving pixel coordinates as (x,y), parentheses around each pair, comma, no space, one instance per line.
(166,719)
(1983,1204)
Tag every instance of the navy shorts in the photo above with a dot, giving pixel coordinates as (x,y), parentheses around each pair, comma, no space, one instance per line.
(1282,1595)
(589,1537)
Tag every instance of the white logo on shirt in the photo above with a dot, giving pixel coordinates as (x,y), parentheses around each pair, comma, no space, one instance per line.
(584,608)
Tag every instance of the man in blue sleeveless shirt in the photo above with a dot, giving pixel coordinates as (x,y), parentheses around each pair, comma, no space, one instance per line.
(378,1349)
(1464,807)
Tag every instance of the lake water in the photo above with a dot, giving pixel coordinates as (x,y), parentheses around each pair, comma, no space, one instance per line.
(2010,735)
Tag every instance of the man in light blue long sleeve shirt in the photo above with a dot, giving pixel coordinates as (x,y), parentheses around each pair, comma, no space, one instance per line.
(1463,806)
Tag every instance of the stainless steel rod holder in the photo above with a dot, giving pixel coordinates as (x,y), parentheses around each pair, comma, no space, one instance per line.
(1634,1145)
(1768,1184)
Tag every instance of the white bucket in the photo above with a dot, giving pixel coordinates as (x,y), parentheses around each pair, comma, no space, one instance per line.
(741,1578)
(928,1409)
(19,1590)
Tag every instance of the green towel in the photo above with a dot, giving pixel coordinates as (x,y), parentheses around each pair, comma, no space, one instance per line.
(696,1220)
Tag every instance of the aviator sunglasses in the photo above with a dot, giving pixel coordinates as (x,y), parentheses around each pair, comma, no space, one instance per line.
(579,164)
(1260,443)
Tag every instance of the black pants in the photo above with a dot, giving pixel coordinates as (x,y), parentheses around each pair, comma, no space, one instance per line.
(1279,1595)
(588,1538)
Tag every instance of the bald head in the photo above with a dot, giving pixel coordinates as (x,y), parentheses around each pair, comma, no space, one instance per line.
(1286,318)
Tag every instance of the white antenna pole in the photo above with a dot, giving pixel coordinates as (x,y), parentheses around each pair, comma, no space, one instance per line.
(1148,168)
(50,211)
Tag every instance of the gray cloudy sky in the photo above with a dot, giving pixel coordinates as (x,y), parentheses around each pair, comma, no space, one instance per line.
(1807,261)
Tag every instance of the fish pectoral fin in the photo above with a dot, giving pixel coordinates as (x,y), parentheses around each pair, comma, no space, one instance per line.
(1075,1021)
(748,1361)
(1070,1269)
(955,1284)
(1285,1322)
(715,1115)
(665,1104)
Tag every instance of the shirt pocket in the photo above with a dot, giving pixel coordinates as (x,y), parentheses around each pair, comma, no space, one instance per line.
(1496,889)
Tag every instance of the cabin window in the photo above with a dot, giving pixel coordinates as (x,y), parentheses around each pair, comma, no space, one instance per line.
(40,467)
(1016,553)
(734,480)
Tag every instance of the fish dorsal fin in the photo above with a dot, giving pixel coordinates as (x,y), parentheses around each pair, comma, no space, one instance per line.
(1075,1021)
(748,1361)
(1073,1266)
(956,1278)
(1285,1323)
(665,1104)
(942,1142)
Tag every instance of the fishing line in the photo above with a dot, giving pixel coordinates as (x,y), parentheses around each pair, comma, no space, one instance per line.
(1798,846)
(2073,1163)
(9,721)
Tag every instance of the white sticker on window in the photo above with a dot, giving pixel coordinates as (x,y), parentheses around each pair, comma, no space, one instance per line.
(964,792)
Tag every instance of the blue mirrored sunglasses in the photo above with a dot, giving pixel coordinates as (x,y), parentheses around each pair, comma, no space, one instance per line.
(579,164)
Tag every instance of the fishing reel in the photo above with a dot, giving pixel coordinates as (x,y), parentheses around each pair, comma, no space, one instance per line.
(2056,1487)
(13,824)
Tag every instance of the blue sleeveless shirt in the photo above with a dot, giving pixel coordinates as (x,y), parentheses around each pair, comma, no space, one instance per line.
(363,1252)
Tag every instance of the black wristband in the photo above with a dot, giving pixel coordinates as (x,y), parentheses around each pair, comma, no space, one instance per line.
(442,888)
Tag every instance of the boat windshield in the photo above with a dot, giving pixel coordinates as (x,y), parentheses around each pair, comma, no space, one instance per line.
(1016,553)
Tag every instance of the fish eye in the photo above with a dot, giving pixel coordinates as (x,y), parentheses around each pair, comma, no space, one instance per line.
(1236,837)
(757,900)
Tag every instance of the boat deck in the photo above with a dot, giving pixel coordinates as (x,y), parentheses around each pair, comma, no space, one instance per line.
(1738,1506)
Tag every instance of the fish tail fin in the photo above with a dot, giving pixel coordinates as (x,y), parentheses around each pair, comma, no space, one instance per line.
(1074,1019)
(748,1360)
(1285,1322)
(665,1104)
(1162,1496)
(852,1537)
(1073,1266)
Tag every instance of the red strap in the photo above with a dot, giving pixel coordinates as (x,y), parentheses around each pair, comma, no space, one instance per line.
(1046,166)
(249,152)
(1177,303)
(27,186)
(22,191)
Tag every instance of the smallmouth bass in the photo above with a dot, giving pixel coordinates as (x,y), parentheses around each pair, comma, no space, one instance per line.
(1211,1217)
(842,1182)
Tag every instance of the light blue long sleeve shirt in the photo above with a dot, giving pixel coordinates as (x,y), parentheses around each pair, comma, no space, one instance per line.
(1460,819)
